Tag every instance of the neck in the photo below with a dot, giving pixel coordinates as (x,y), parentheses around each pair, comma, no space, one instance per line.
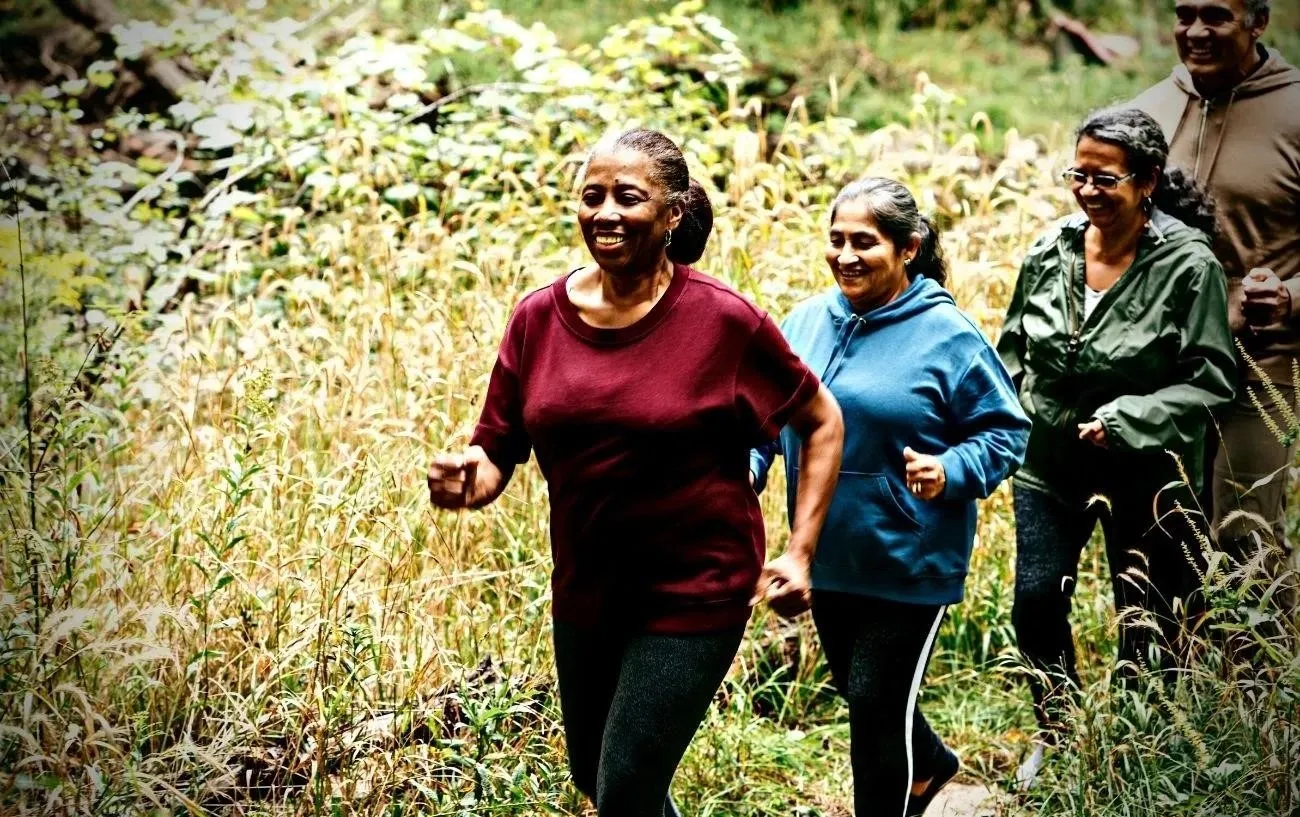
(632,289)
(1213,86)
(1117,242)
(861,307)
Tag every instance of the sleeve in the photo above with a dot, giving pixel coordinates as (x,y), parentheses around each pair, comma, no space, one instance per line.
(500,430)
(1175,415)
(771,383)
(993,429)
(1293,289)
(1011,342)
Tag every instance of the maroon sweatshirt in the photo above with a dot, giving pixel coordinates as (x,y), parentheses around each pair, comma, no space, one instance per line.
(643,434)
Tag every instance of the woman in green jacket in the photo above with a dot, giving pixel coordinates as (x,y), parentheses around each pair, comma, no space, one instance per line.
(1117,339)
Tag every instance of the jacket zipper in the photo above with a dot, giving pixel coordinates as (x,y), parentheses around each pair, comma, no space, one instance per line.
(1078,321)
(1075,324)
(1200,139)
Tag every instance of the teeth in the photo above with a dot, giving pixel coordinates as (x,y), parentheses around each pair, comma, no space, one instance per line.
(608,240)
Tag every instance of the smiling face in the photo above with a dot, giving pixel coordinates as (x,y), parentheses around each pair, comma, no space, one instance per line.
(623,213)
(1216,41)
(866,264)
(1108,209)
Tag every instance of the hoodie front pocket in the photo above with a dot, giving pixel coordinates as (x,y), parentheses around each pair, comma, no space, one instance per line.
(868,526)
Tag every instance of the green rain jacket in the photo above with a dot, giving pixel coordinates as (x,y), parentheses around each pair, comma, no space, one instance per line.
(1151,362)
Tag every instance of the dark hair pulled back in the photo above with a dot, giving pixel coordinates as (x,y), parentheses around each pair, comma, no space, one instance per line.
(669,171)
(893,208)
(1147,153)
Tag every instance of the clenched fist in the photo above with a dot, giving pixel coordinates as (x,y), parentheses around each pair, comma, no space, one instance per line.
(465,480)
(1265,298)
(925,475)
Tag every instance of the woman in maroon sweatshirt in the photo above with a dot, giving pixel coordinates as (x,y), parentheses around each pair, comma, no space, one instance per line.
(642,384)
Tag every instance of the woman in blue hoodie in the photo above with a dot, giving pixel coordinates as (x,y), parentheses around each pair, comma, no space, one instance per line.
(932,423)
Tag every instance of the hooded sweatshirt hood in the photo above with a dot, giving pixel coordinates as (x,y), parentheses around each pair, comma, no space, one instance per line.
(922,294)
(1243,147)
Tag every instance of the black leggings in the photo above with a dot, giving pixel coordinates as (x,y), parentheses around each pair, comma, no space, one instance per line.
(1149,570)
(878,651)
(631,704)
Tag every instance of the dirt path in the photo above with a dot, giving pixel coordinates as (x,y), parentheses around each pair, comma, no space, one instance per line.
(964,800)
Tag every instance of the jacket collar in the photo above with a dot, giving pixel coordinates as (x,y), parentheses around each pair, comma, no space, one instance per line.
(1158,226)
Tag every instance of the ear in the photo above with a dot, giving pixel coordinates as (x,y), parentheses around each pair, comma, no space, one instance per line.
(913,247)
(675,213)
(1149,184)
(1258,25)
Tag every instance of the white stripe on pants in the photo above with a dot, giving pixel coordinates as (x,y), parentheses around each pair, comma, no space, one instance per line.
(917,677)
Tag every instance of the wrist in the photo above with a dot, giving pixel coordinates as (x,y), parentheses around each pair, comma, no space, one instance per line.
(800,551)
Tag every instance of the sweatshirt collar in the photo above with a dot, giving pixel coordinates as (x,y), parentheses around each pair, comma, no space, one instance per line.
(921,294)
(1271,73)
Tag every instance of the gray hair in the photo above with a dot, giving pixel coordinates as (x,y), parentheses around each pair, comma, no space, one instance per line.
(893,208)
(1147,154)
(1256,8)
(668,170)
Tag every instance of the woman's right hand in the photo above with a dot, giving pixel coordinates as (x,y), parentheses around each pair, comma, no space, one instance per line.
(465,480)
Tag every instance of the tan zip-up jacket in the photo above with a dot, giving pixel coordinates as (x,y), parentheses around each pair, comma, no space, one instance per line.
(1244,147)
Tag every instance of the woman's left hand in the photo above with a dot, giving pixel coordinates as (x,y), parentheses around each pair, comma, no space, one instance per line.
(1093,432)
(925,475)
(786,585)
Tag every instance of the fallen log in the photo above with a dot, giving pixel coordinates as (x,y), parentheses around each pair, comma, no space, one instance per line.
(100,17)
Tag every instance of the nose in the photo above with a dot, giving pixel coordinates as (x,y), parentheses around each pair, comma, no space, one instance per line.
(1198,30)
(845,256)
(608,211)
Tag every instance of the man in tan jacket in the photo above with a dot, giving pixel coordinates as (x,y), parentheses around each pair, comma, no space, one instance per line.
(1231,113)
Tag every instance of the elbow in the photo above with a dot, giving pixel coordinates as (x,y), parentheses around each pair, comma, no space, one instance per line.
(821,425)
(833,424)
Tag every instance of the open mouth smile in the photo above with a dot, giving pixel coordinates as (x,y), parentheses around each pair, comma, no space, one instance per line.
(609,240)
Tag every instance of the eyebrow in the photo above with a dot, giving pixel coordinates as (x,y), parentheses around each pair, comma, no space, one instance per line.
(854,233)
(617,185)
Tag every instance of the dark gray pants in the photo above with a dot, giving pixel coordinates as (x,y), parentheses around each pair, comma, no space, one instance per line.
(1151,567)
(631,704)
(1250,483)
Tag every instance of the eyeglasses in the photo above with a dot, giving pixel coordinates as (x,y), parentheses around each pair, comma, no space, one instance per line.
(1101,181)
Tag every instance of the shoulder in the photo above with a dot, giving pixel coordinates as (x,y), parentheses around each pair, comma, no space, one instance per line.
(959,331)
(1186,254)
(1047,241)
(539,300)
(1283,105)
(534,310)
(1182,239)
(1162,92)
(706,293)
(810,310)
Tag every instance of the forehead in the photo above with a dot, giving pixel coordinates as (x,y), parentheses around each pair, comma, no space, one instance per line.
(1234,7)
(1095,154)
(620,166)
(855,216)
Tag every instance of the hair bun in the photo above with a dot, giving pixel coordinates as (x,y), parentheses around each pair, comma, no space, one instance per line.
(692,232)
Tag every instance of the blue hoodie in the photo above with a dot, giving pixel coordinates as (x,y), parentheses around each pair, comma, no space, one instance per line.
(915,372)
